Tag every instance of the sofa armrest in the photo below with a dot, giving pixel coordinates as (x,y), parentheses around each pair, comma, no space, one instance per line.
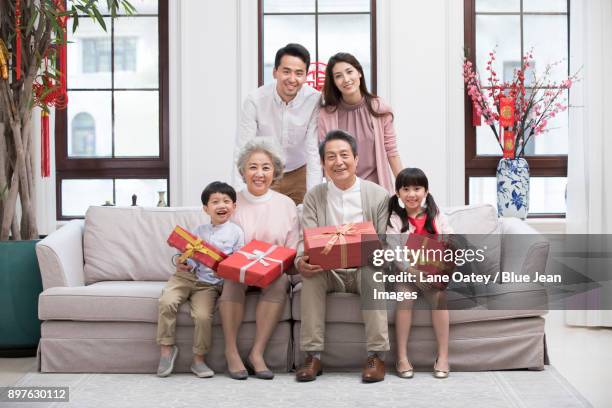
(60,256)
(524,250)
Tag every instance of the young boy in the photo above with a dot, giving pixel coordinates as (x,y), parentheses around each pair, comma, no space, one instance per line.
(198,283)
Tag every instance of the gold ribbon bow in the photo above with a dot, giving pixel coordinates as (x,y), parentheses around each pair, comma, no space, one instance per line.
(338,235)
(193,246)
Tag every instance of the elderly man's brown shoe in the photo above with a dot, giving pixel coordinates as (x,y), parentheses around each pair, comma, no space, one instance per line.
(374,370)
(310,370)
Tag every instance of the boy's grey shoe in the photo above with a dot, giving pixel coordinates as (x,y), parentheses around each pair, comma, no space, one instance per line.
(202,370)
(166,364)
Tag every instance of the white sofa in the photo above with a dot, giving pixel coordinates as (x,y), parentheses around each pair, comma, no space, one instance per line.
(102,277)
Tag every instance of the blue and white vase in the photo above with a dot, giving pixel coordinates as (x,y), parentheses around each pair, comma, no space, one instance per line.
(513,188)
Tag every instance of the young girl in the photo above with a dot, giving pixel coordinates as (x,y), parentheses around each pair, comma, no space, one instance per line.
(412,210)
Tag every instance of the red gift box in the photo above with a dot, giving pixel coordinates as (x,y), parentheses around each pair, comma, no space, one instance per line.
(340,246)
(257,263)
(431,263)
(196,248)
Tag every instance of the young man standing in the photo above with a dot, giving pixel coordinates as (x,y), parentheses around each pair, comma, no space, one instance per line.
(287,111)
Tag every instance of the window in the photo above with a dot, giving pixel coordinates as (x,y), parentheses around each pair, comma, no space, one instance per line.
(96,54)
(324,27)
(83,135)
(514,27)
(112,139)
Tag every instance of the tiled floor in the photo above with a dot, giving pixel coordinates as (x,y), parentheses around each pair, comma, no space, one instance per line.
(11,369)
(582,356)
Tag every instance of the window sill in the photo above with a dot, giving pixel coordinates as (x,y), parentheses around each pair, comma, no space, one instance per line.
(548,225)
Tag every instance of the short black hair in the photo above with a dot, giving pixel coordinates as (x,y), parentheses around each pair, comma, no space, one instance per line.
(295,50)
(218,187)
(338,134)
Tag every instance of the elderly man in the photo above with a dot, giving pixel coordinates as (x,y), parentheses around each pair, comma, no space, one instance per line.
(345,199)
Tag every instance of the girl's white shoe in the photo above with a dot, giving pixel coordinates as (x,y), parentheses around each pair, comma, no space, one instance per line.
(404,373)
(440,373)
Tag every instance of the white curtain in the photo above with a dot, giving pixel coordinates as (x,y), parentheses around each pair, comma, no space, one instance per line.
(589,187)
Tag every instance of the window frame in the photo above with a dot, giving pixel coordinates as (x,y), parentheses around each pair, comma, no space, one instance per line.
(485,166)
(124,167)
(260,28)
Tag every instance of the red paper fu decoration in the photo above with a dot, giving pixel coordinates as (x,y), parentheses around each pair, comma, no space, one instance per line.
(316,76)
(508,144)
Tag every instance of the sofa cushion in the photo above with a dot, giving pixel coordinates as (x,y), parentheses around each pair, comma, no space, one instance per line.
(129,243)
(117,301)
(482,229)
(346,308)
(473,219)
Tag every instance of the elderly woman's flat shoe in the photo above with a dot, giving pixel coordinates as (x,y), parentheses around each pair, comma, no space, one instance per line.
(262,375)
(238,375)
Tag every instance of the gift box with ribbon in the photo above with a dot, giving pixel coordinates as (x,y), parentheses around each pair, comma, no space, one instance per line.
(195,248)
(431,258)
(257,263)
(340,246)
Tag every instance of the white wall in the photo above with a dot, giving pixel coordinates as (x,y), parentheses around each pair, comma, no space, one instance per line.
(204,98)
(419,73)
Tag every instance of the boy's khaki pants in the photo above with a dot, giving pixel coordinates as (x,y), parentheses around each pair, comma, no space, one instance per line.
(182,287)
(313,300)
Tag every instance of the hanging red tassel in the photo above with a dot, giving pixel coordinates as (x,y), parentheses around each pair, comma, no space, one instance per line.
(62,58)
(18,39)
(45,157)
(476,117)
(62,50)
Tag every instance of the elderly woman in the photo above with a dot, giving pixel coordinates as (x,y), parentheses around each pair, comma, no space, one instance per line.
(268,216)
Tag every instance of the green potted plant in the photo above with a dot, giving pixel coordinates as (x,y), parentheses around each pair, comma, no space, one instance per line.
(32,74)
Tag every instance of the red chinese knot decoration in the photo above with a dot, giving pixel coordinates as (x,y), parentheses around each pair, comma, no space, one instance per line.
(50,89)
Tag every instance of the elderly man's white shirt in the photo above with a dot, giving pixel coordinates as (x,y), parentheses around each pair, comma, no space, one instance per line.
(344,206)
